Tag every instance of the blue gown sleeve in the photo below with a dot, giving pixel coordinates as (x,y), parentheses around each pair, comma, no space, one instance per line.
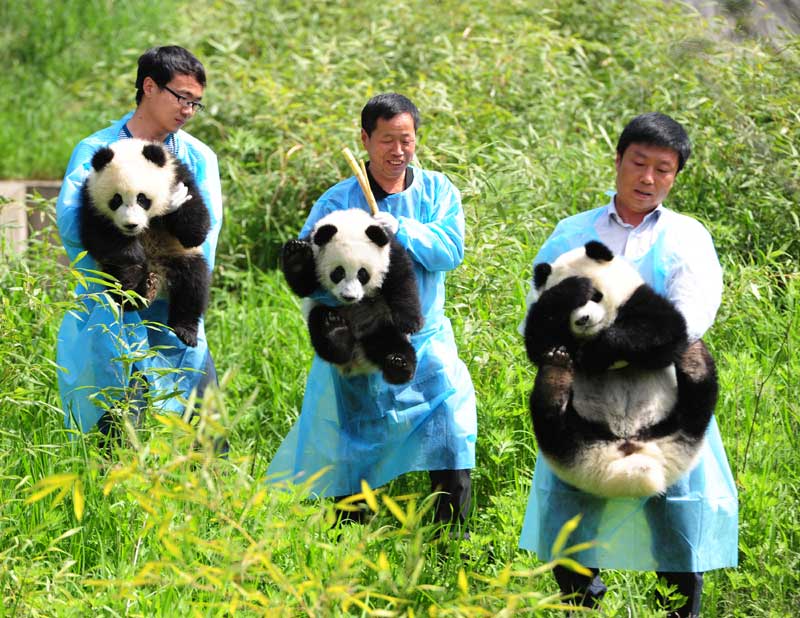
(436,238)
(69,199)
(207,178)
(694,284)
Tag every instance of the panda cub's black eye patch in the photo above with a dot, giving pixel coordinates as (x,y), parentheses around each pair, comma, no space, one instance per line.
(363,276)
(143,201)
(115,202)
(338,274)
(597,296)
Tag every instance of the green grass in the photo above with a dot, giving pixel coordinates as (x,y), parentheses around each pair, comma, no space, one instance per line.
(520,101)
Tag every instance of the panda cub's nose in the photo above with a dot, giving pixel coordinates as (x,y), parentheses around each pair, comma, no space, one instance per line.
(131,226)
(582,320)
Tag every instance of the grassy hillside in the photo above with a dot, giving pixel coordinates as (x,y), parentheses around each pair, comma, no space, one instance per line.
(521,103)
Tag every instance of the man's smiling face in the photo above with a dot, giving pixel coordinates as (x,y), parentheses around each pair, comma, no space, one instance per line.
(645,175)
(390,148)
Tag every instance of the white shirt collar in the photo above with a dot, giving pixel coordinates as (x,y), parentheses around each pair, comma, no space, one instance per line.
(613,215)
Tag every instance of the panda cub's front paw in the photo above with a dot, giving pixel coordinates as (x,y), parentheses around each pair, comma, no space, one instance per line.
(295,254)
(297,263)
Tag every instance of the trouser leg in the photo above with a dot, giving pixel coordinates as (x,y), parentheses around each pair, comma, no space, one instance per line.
(209,378)
(350,517)
(587,590)
(689,585)
(454,497)
(452,503)
(110,424)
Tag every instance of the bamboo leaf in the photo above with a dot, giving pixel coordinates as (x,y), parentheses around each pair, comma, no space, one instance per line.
(369,496)
(394,508)
(78,501)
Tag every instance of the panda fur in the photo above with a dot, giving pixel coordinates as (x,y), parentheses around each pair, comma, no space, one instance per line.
(621,401)
(128,226)
(368,272)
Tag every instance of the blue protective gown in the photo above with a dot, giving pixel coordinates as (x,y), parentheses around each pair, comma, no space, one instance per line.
(694,527)
(93,340)
(361,427)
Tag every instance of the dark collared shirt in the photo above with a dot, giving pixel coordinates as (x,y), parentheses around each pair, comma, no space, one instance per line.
(378,191)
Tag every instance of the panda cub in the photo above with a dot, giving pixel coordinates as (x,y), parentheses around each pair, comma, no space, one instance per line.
(621,401)
(132,226)
(368,272)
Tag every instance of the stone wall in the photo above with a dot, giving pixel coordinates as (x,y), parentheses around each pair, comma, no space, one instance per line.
(19,219)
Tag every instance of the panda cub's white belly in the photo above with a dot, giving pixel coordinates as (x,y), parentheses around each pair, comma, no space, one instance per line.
(627,399)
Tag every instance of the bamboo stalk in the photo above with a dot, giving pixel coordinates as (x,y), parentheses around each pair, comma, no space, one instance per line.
(361,175)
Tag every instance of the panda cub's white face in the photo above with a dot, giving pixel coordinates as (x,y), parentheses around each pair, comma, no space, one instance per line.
(351,252)
(134,185)
(614,281)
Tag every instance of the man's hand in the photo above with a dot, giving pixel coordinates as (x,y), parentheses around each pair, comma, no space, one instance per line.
(179,197)
(387,221)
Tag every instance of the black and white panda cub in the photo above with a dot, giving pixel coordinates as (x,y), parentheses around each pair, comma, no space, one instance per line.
(363,267)
(132,226)
(621,401)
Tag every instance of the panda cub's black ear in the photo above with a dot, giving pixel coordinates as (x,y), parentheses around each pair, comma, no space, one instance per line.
(102,158)
(540,274)
(595,250)
(323,235)
(377,234)
(155,154)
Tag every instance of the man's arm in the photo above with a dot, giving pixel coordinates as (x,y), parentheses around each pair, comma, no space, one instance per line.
(438,244)
(695,281)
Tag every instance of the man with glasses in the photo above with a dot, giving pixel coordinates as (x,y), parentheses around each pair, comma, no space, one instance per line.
(109,361)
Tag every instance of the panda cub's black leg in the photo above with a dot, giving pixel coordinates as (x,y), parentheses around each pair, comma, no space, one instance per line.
(330,335)
(188,278)
(131,277)
(698,388)
(550,408)
(392,351)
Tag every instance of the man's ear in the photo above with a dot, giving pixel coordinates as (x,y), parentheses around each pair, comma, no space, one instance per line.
(149,85)
(364,138)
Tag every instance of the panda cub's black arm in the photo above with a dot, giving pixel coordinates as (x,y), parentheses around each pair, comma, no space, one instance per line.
(297,264)
(547,322)
(191,222)
(649,332)
(401,291)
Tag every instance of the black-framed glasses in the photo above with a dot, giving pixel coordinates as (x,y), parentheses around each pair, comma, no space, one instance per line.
(183,101)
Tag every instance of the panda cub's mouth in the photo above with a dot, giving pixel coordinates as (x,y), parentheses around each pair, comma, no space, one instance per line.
(588,320)
(132,229)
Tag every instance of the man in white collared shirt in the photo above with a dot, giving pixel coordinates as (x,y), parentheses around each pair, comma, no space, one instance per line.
(693,528)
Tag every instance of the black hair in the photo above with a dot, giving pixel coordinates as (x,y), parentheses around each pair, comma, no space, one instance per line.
(387,106)
(656,129)
(161,64)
